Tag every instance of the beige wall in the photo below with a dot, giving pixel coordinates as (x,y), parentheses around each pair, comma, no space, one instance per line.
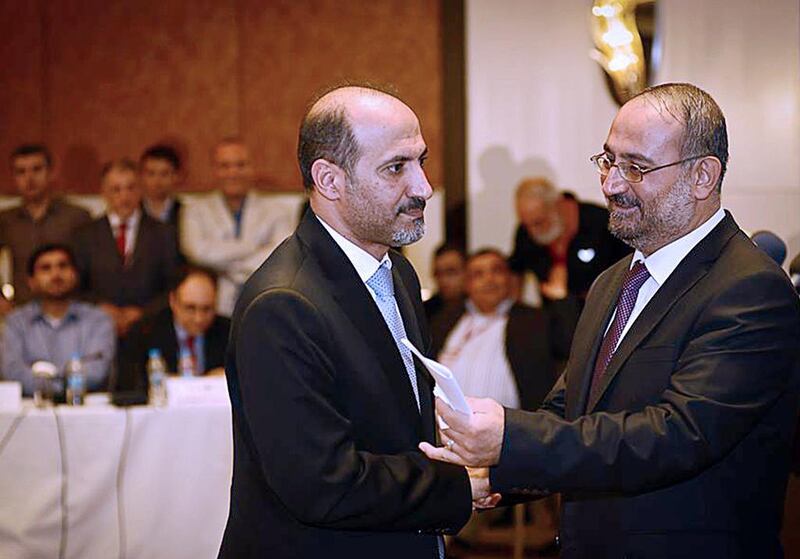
(538,104)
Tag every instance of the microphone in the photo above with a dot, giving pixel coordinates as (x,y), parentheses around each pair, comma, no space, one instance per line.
(771,244)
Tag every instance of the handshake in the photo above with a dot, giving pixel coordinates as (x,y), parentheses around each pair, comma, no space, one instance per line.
(474,442)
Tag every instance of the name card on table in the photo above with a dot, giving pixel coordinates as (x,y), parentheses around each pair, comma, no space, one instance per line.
(197,391)
(10,396)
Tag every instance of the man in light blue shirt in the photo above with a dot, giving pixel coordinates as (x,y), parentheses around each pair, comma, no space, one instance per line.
(54,326)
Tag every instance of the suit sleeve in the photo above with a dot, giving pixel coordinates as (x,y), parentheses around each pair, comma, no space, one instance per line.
(741,357)
(304,440)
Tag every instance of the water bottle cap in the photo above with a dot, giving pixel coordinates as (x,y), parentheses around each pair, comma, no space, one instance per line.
(154,352)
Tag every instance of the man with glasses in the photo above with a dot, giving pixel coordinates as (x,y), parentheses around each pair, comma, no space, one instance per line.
(669,432)
(189,326)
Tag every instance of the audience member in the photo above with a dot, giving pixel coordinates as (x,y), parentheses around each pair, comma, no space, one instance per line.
(40,218)
(190,323)
(54,326)
(159,171)
(127,260)
(234,229)
(498,348)
(448,272)
(564,242)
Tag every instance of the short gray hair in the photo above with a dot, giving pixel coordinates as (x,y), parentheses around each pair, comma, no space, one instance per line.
(705,131)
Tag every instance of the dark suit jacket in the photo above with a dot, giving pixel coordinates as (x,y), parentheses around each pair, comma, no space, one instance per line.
(326,426)
(592,250)
(537,341)
(144,280)
(159,332)
(685,451)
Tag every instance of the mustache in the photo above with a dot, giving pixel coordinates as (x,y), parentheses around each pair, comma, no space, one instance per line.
(624,200)
(415,203)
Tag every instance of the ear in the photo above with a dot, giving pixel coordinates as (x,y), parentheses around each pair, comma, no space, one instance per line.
(705,176)
(329,179)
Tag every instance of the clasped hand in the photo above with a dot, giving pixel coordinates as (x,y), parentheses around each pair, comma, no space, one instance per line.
(472,441)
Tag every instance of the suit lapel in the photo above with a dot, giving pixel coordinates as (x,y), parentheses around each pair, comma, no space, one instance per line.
(686,275)
(586,343)
(357,304)
(110,242)
(139,247)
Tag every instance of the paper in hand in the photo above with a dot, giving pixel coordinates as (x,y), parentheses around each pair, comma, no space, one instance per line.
(447,387)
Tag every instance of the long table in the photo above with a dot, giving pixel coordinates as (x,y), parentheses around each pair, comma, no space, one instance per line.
(104,482)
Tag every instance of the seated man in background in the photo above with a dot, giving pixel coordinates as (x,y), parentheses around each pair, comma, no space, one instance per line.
(127,261)
(190,323)
(448,272)
(234,229)
(40,218)
(498,348)
(159,171)
(54,326)
(565,243)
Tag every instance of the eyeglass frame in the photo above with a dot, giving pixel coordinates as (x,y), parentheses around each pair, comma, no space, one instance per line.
(595,158)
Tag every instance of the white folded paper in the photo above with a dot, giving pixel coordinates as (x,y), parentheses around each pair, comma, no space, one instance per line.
(196,391)
(447,387)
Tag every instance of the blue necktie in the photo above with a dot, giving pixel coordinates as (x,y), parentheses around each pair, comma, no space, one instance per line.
(381,283)
(383,286)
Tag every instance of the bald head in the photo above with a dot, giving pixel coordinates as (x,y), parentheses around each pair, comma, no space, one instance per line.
(327,131)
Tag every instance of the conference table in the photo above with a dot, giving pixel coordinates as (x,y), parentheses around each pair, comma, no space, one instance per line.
(103,482)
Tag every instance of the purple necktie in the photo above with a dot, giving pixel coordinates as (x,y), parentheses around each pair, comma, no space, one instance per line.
(627,299)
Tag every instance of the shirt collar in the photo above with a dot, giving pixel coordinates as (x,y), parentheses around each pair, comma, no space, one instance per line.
(364,263)
(663,262)
(182,334)
(164,213)
(38,314)
(501,310)
(131,222)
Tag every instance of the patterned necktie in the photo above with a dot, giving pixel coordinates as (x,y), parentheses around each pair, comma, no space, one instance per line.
(381,283)
(633,281)
(121,240)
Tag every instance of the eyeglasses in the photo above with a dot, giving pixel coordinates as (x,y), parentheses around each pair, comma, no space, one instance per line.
(631,172)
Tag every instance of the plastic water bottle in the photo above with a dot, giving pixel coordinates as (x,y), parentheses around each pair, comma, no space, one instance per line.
(186,363)
(76,381)
(156,373)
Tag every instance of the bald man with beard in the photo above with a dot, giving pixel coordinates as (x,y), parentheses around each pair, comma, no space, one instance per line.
(328,406)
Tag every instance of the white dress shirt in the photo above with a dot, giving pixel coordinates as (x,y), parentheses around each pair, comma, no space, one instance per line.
(663,262)
(475,351)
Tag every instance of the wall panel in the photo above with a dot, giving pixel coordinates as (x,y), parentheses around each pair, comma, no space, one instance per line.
(122,75)
(290,50)
(21,79)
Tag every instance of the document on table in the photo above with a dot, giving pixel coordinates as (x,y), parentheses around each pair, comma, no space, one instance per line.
(447,387)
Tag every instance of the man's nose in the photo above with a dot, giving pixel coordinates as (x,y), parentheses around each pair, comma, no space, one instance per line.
(613,183)
(420,187)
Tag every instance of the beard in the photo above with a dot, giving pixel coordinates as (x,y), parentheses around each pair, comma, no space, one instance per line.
(371,222)
(654,223)
(553,233)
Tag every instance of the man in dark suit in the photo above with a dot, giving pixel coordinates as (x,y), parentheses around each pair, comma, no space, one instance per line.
(159,172)
(328,406)
(190,324)
(491,336)
(564,242)
(127,260)
(669,432)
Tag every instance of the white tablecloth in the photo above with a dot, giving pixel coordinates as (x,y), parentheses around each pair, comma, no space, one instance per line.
(137,483)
